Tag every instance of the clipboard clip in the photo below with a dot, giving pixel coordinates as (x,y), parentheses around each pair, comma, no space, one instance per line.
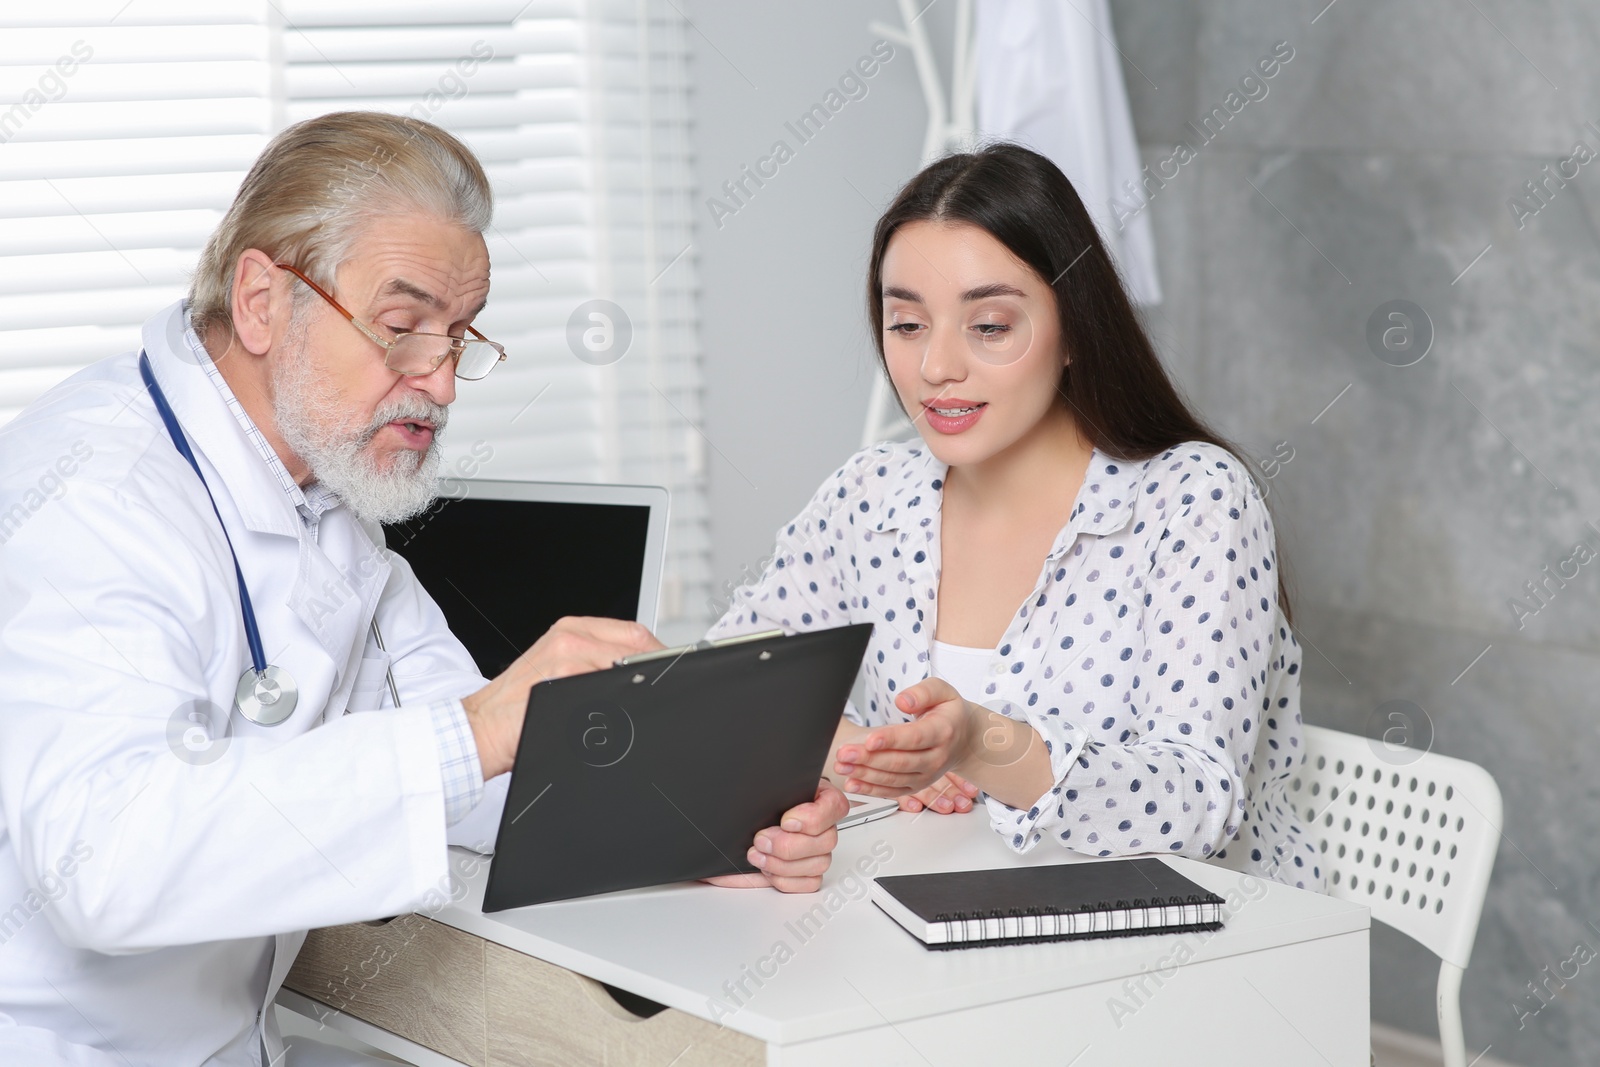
(699,646)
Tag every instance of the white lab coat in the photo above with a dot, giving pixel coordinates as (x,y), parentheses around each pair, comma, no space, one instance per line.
(1049,76)
(180,887)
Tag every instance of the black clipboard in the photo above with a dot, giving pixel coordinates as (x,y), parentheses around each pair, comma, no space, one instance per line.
(693,753)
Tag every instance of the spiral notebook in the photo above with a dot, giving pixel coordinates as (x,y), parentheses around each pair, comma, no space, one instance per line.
(1059,902)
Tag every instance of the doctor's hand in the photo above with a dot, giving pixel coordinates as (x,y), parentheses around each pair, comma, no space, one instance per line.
(794,854)
(574,645)
(889,761)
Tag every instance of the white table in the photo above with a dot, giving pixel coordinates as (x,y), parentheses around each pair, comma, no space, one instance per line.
(1284,982)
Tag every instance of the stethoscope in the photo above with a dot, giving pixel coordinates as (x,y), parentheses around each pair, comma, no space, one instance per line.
(266,695)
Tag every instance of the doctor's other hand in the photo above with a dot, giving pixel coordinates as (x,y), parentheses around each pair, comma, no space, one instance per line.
(950,795)
(889,761)
(574,645)
(794,854)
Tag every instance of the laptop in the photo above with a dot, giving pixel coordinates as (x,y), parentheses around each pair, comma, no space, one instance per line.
(505,559)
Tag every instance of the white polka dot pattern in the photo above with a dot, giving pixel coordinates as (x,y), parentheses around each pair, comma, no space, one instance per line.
(1151,657)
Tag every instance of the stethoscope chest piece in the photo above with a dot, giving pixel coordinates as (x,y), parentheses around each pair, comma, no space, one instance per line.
(266,697)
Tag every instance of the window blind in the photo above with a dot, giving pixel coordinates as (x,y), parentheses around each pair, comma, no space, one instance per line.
(126,127)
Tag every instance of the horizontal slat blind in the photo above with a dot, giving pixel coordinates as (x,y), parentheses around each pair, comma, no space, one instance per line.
(111,185)
(643,124)
(123,135)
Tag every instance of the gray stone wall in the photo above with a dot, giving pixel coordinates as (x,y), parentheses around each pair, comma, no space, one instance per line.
(1380,165)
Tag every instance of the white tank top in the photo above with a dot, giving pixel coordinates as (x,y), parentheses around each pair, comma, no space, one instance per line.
(964,667)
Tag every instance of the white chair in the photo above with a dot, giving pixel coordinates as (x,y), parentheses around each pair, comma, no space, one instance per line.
(1413,837)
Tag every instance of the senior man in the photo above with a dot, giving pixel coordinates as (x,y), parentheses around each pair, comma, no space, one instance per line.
(187,628)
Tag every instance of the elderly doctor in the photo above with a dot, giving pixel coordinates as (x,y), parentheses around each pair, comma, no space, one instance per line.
(214,564)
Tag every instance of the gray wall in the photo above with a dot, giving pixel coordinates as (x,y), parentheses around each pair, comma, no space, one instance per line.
(1422,501)
(1415,507)
(788,358)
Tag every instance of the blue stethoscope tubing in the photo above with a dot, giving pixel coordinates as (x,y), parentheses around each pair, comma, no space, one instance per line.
(267,691)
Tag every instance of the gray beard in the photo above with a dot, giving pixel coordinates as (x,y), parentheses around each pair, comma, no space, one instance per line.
(338,456)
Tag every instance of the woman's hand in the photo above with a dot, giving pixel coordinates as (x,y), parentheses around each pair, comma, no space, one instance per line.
(950,794)
(794,855)
(888,761)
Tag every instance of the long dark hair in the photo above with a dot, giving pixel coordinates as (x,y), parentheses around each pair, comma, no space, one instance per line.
(1120,395)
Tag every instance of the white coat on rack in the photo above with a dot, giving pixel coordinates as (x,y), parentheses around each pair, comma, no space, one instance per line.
(1049,77)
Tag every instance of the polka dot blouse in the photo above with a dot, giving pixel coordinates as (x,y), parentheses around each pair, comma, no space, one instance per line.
(1151,657)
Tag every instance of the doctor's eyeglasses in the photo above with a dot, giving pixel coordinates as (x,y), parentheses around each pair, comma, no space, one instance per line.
(415,354)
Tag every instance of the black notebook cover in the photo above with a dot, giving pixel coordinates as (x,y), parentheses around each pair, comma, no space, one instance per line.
(1019,905)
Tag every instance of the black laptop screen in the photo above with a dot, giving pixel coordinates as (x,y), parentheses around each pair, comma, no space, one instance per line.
(503,571)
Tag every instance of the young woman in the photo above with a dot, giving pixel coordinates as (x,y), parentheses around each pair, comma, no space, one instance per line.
(1079,612)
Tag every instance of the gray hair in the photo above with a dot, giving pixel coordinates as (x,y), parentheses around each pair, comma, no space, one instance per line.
(318,184)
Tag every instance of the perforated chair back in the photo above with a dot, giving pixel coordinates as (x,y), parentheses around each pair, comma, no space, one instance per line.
(1415,841)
